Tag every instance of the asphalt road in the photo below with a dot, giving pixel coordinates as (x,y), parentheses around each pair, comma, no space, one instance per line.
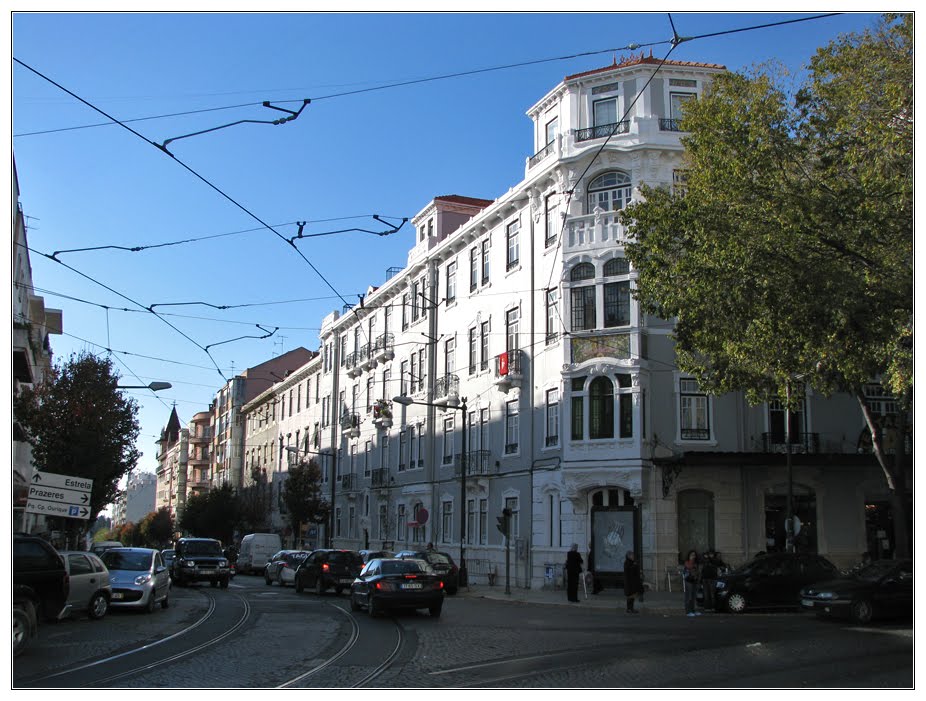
(255,636)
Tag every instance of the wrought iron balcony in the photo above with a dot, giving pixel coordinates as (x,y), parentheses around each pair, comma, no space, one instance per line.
(540,155)
(384,348)
(380,477)
(478,462)
(447,389)
(349,482)
(352,363)
(602,131)
(509,369)
(800,442)
(670,125)
(350,424)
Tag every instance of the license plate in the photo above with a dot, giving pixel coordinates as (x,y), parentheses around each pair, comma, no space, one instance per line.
(207,571)
(346,580)
(412,585)
(807,602)
(117,594)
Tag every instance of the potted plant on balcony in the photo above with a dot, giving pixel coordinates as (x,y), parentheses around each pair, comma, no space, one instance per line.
(382,413)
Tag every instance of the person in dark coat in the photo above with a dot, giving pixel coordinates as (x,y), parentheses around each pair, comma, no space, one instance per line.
(596,583)
(573,570)
(633,581)
(709,572)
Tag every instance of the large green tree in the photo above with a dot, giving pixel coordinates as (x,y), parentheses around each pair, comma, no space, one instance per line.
(212,514)
(302,496)
(787,256)
(157,528)
(79,424)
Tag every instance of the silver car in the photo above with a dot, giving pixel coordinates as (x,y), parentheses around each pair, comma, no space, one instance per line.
(139,578)
(90,589)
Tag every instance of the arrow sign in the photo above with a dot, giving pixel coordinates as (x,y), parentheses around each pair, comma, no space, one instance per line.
(64,496)
(50,479)
(50,508)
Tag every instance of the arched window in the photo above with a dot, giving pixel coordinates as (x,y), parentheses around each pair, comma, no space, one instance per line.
(582,298)
(582,271)
(601,408)
(609,191)
(617,293)
(617,266)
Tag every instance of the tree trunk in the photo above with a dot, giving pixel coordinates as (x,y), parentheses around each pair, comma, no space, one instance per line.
(894,474)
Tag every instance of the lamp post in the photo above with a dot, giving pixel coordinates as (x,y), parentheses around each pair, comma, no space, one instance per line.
(154,386)
(406,401)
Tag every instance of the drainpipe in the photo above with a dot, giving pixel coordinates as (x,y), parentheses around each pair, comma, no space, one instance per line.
(533,423)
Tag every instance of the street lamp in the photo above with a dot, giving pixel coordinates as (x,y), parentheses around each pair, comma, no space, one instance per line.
(154,386)
(406,401)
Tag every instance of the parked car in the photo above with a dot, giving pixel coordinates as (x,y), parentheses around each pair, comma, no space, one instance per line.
(256,550)
(41,586)
(328,569)
(139,578)
(442,564)
(90,589)
(168,555)
(771,581)
(200,560)
(883,588)
(368,555)
(282,566)
(386,584)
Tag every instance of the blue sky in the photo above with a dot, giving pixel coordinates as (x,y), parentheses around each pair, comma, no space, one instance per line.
(346,157)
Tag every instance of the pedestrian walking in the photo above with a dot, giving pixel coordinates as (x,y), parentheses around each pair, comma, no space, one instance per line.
(633,581)
(573,570)
(690,576)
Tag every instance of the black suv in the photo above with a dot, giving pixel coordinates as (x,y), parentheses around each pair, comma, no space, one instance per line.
(327,569)
(442,564)
(40,587)
(200,560)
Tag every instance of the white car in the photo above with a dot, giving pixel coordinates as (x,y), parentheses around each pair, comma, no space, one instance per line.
(282,567)
(138,577)
(90,589)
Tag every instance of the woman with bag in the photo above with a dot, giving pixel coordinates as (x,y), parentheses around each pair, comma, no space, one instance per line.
(690,575)
(633,582)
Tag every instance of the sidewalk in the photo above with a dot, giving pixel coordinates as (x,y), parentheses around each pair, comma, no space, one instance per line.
(654,602)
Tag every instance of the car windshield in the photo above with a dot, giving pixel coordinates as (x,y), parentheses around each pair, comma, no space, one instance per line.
(438,559)
(130,561)
(875,571)
(402,567)
(202,548)
(295,558)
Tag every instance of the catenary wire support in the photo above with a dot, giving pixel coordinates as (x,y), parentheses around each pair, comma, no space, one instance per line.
(267,334)
(282,120)
(393,228)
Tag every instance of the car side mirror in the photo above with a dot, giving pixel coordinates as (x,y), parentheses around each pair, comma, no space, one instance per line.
(159,569)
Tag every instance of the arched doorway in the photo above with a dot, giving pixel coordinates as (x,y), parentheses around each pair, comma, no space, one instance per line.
(614,529)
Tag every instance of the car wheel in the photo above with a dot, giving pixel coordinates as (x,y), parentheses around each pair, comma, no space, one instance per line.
(435,611)
(297,583)
(861,611)
(267,580)
(373,608)
(99,605)
(453,591)
(354,606)
(151,603)
(319,586)
(213,583)
(224,583)
(166,601)
(23,626)
(338,590)
(736,603)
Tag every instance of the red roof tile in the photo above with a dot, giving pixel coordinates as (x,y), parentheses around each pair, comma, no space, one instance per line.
(641,61)
(460,199)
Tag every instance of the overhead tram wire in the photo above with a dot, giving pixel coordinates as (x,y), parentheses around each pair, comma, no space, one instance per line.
(137,355)
(190,170)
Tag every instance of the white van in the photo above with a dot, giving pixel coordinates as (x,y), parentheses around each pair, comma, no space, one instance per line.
(256,550)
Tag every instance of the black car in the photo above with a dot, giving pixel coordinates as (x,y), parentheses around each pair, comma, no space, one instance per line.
(397,584)
(883,588)
(328,569)
(41,586)
(442,564)
(200,560)
(771,581)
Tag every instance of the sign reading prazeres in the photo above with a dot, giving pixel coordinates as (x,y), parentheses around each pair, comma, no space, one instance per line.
(59,495)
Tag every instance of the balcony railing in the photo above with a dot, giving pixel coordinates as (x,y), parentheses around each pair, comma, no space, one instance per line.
(509,368)
(602,131)
(590,230)
(349,482)
(800,442)
(380,477)
(540,155)
(478,462)
(384,348)
(352,363)
(350,424)
(447,388)
(670,125)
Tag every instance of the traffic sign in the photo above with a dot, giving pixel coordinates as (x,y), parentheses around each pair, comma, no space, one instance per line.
(59,495)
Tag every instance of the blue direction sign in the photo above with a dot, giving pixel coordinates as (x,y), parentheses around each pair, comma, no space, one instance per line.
(59,495)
